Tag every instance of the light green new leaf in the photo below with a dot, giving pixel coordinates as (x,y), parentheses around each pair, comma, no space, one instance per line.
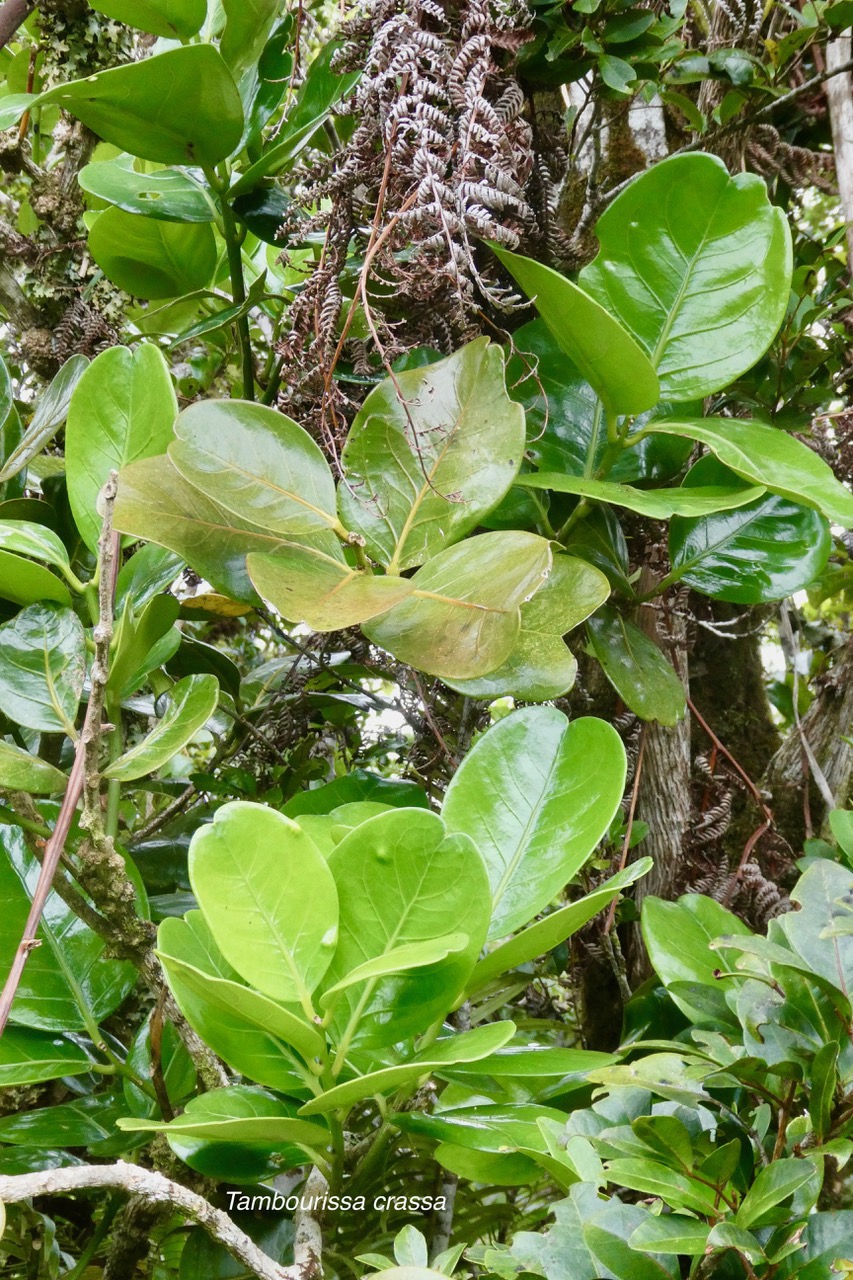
(659,504)
(463,619)
(150,258)
(42,666)
(769,456)
(19,771)
(173,19)
(179,107)
(540,666)
(13,106)
(168,194)
(774,1184)
(276,1122)
(404,882)
(122,410)
(308,585)
(546,934)
(430,454)
(614,365)
(193,702)
(256,463)
(639,672)
(469,1046)
(269,898)
(25,583)
(536,794)
(50,413)
(28,1057)
(697,265)
(412,955)
(678,936)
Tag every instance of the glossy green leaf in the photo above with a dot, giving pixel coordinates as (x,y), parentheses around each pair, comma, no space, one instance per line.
(247,28)
(269,898)
(610,360)
(697,265)
(555,928)
(42,665)
(825,1238)
(430,454)
(203,984)
(489,1127)
(209,1116)
(13,106)
(143,642)
(536,1062)
(150,258)
(171,195)
(727,1235)
(358,785)
(33,540)
(68,967)
(773,1184)
(402,882)
(824,895)
(769,456)
(50,413)
(411,955)
(659,504)
(655,1179)
(536,794)
(174,19)
(467,1046)
(540,666)
(841,826)
(122,410)
(560,1252)
(462,619)
(178,107)
(192,703)
(670,1233)
(26,583)
(256,463)
(638,670)
(79,1123)
(308,585)
(20,771)
(677,937)
(28,1057)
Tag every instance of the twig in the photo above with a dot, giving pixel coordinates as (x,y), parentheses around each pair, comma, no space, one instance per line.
(791,649)
(739,769)
(307,1230)
(12,15)
(157,1190)
(626,844)
(444,1216)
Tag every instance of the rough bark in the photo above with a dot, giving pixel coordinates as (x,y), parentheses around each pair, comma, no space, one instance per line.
(839,97)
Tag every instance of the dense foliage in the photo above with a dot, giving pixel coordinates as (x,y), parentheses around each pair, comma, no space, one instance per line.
(425,671)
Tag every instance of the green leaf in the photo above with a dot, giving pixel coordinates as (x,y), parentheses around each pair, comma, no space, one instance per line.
(774,1183)
(536,1062)
(351,787)
(72,1124)
(28,1057)
(555,928)
(25,583)
(824,895)
(256,463)
(50,413)
(122,410)
(489,1128)
(670,1233)
(13,106)
(825,1239)
(402,882)
(655,1179)
(841,826)
(769,456)
(466,1046)
(536,794)
(33,540)
(247,28)
(172,195)
(20,771)
(174,19)
(607,356)
(823,1084)
(726,1235)
(677,937)
(561,1252)
(430,454)
(179,107)
(143,642)
(193,702)
(261,1119)
(195,968)
(150,258)
(697,265)
(486,1167)
(659,504)
(540,666)
(308,585)
(462,619)
(411,955)
(269,898)
(639,672)
(42,666)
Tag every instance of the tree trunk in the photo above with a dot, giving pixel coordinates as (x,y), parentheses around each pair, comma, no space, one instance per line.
(839,97)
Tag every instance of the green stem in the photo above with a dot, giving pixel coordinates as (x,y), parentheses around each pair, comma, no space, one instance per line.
(116,746)
(8,816)
(233,245)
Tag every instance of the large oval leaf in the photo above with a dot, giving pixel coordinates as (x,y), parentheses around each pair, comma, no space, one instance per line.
(179,107)
(19,771)
(610,360)
(25,583)
(677,937)
(174,19)
(697,265)
(28,1057)
(34,540)
(462,619)
(150,258)
(256,463)
(638,670)
(193,702)
(536,794)
(306,584)
(402,880)
(122,409)
(269,898)
(430,454)
(170,194)
(42,666)
(211,1116)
